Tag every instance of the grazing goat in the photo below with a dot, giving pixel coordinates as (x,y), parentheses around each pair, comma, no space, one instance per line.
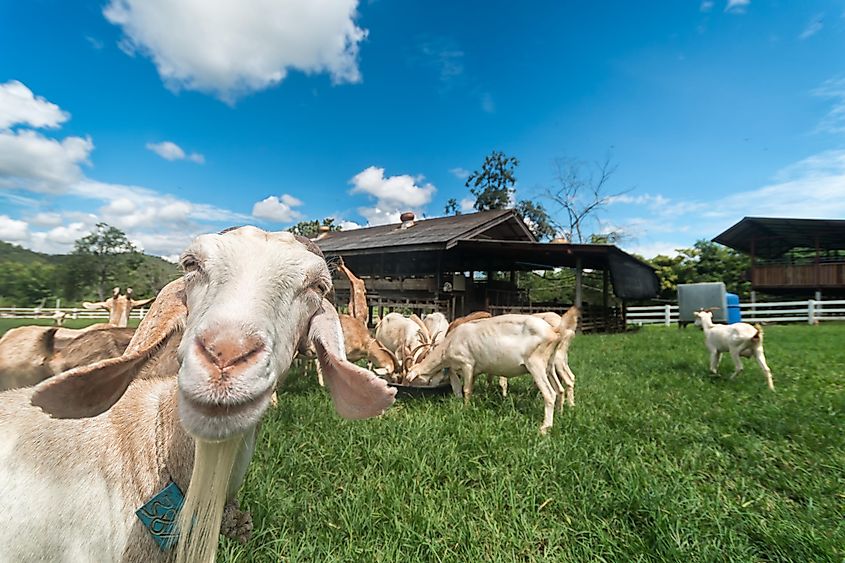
(738,339)
(507,345)
(119,306)
(31,354)
(406,337)
(437,326)
(562,378)
(361,345)
(247,300)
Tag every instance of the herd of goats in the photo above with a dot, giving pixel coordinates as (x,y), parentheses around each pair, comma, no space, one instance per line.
(98,426)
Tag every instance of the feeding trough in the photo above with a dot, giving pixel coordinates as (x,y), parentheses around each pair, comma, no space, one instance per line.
(404,390)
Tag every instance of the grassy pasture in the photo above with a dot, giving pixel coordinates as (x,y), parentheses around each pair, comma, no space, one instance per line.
(658,462)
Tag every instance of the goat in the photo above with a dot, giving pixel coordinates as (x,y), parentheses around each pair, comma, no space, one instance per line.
(119,306)
(474,316)
(30,354)
(562,378)
(437,326)
(246,301)
(406,337)
(507,345)
(357,294)
(360,345)
(738,339)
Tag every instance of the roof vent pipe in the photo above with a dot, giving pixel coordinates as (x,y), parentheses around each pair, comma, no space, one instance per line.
(407,219)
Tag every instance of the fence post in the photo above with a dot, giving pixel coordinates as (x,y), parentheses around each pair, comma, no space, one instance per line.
(811,311)
(667,314)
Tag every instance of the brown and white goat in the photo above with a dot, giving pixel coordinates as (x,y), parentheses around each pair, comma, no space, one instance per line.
(31,354)
(90,446)
(119,306)
(737,339)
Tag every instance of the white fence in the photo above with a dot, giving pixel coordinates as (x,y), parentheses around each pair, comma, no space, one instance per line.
(810,311)
(70,313)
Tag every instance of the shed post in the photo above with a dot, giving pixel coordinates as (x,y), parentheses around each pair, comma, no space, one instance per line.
(605,297)
(578,284)
(811,312)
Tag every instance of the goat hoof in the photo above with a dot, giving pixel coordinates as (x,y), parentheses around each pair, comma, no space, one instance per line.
(544,430)
(237,523)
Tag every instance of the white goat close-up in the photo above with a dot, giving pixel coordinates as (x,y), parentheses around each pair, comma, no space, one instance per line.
(85,449)
(738,340)
(508,346)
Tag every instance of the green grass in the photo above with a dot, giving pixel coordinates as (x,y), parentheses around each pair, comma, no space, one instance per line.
(658,462)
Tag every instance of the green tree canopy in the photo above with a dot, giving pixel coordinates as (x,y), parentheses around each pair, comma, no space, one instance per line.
(311,229)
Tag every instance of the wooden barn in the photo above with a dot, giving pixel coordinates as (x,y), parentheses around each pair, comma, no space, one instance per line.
(791,256)
(469,262)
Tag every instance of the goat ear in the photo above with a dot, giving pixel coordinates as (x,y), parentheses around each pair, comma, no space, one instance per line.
(91,390)
(356,392)
(48,341)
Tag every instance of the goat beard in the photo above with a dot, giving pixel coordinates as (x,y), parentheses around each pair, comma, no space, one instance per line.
(202,512)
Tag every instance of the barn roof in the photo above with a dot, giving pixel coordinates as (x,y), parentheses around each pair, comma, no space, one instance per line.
(443,232)
(771,237)
(483,241)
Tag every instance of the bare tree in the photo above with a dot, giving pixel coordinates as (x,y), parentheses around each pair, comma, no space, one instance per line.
(581,192)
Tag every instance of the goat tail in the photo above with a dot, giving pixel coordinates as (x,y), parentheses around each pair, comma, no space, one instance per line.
(759,335)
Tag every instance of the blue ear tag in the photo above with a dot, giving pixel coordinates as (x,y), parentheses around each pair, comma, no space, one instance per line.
(159,515)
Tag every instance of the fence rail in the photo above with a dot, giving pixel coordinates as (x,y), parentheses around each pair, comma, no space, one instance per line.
(810,311)
(69,313)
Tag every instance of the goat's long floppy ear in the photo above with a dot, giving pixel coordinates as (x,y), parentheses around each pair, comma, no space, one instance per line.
(91,390)
(356,392)
(98,305)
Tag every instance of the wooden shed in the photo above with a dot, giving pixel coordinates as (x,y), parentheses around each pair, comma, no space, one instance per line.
(791,256)
(448,264)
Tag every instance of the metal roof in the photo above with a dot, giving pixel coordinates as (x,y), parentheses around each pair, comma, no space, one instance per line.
(771,237)
(443,232)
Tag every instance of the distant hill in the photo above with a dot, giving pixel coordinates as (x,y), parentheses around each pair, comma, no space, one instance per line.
(27,277)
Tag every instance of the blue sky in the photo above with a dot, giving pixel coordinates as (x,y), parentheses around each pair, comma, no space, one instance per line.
(170,118)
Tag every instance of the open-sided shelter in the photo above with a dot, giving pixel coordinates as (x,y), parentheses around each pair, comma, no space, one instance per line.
(791,256)
(448,264)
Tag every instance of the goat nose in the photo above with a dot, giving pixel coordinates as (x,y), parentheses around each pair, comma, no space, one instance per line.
(228,352)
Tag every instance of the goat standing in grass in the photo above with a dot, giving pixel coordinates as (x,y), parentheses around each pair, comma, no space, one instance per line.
(738,339)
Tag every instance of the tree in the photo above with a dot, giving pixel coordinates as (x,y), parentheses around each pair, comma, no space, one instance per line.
(310,229)
(706,261)
(493,188)
(452,207)
(581,192)
(493,185)
(98,259)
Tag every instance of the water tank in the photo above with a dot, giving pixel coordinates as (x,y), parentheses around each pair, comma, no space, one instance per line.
(695,296)
(734,312)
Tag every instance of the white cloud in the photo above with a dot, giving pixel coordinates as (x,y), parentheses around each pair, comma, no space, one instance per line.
(19,106)
(737,6)
(169,150)
(13,230)
(44,219)
(706,5)
(277,209)
(393,194)
(816,24)
(834,121)
(32,161)
(349,225)
(234,48)
(460,173)
(467,205)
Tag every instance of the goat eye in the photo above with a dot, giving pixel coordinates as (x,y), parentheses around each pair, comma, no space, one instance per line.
(321,287)
(189,263)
